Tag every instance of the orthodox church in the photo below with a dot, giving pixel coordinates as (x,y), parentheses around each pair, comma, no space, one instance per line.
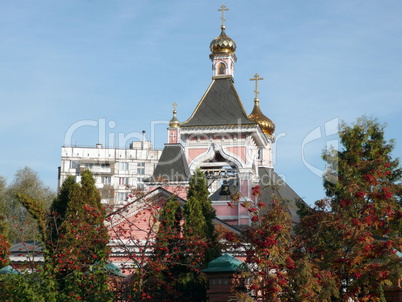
(231,147)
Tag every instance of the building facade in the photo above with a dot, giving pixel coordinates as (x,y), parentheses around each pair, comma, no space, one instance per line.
(116,171)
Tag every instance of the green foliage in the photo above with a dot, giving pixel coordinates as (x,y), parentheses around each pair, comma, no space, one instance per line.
(79,239)
(354,233)
(201,224)
(28,287)
(23,226)
(195,224)
(75,240)
(170,225)
(268,253)
(182,250)
(166,266)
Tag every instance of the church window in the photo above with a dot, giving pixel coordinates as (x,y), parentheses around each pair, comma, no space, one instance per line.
(221,68)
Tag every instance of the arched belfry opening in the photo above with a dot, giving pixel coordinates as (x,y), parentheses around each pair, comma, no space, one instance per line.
(218,169)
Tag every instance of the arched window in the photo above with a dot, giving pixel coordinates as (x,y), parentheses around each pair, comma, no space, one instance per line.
(221,68)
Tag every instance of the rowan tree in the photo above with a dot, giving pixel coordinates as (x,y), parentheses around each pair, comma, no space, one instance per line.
(267,244)
(75,240)
(355,233)
(4,242)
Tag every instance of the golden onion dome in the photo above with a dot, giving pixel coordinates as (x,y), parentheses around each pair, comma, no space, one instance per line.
(174,122)
(222,43)
(267,126)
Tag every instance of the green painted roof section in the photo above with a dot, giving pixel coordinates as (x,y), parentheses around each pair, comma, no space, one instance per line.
(109,268)
(8,270)
(225,263)
(113,269)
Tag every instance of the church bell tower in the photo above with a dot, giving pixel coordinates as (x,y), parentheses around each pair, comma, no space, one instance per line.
(223,52)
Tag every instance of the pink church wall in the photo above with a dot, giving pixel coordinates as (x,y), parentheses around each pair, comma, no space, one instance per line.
(225,210)
(193,153)
(180,191)
(239,152)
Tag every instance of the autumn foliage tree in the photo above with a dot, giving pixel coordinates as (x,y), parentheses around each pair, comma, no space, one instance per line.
(75,239)
(4,242)
(355,233)
(80,250)
(344,248)
(185,243)
(268,253)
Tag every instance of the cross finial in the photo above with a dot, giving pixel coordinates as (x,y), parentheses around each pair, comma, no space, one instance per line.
(223,9)
(256,79)
(174,106)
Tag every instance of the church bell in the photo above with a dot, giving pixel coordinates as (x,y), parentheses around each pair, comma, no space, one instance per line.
(225,189)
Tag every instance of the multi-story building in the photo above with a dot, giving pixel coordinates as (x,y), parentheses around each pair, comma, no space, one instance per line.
(116,171)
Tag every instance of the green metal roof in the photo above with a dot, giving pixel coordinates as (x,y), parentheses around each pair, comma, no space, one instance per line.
(8,270)
(225,263)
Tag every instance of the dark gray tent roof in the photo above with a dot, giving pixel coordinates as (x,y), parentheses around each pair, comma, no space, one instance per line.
(172,165)
(220,106)
(272,185)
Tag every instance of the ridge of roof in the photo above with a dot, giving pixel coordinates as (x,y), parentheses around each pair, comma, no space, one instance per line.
(220,105)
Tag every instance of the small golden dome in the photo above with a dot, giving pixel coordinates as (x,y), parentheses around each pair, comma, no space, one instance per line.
(222,43)
(174,122)
(267,126)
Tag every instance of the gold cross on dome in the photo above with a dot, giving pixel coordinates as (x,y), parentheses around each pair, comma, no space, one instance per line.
(256,79)
(223,9)
(174,106)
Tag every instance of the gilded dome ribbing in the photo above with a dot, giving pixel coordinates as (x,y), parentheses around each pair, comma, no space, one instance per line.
(266,124)
(222,43)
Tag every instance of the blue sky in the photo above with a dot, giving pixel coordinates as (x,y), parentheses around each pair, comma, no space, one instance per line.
(123,63)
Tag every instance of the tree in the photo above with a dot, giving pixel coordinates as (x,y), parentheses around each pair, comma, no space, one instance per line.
(22,225)
(198,227)
(4,243)
(201,223)
(168,262)
(355,232)
(185,242)
(269,261)
(75,239)
(81,250)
